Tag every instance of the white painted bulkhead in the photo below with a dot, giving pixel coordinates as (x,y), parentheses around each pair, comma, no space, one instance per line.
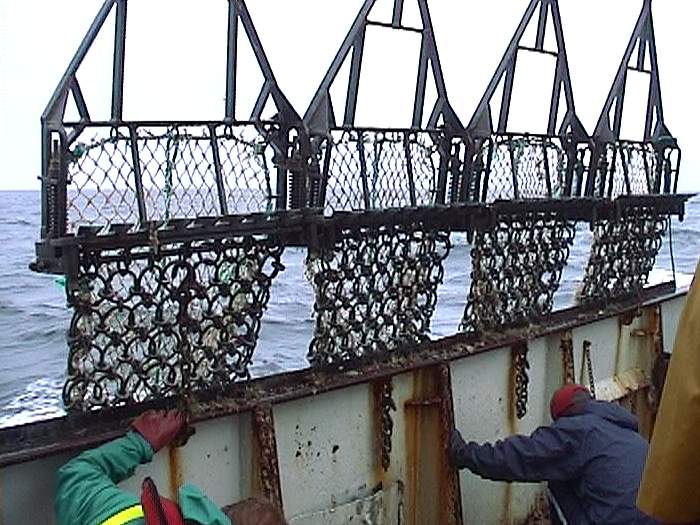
(327,446)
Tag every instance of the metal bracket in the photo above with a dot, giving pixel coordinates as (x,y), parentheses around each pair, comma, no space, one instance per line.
(481,124)
(643,42)
(320,116)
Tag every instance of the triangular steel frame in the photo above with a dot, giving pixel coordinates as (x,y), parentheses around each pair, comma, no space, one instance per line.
(642,40)
(237,12)
(481,124)
(320,115)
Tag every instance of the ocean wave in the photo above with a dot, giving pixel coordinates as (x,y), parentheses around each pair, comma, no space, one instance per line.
(40,400)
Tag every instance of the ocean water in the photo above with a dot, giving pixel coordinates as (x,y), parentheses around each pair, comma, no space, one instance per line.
(34,317)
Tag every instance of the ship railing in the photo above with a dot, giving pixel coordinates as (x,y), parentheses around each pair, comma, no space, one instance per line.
(383,168)
(628,167)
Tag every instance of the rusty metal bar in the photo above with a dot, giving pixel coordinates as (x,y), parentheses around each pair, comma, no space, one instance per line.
(451,489)
(220,188)
(267,459)
(118,67)
(138,179)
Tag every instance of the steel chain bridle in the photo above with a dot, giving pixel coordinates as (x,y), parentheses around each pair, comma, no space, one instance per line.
(387,405)
(588,367)
(567,360)
(520,378)
(623,253)
(266,442)
(516,269)
(375,290)
(152,323)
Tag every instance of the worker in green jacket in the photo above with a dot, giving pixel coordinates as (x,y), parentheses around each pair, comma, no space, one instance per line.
(87,493)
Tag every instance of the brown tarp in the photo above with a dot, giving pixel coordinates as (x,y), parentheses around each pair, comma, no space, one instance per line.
(670,489)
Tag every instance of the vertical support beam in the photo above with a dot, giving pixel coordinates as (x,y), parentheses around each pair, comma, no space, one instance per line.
(398,13)
(221,189)
(118,66)
(507,96)
(514,169)
(419,101)
(363,169)
(432,485)
(325,172)
(138,179)
(268,478)
(547,174)
(354,80)
(542,25)
(625,170)
(554,102)
(409,169)
(487,171)
(231,60)
(611,169)
(445,150)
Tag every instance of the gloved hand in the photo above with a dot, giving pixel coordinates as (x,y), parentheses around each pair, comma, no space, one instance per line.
(160,427)
(456,450)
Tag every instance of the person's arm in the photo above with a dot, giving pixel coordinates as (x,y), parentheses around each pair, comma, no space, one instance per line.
(549,454)
(86,489)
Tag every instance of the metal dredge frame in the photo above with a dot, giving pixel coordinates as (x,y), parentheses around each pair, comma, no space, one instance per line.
(200,278)
(285,136)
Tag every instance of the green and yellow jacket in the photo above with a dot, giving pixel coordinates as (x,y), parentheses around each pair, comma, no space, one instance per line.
(87,492)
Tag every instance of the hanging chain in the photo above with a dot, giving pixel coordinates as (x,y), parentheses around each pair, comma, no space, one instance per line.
(267,450)
(152,324)
(623,253)
(516,269)
(386,425)
(567,360)
(520,378)
(376,290)
(588,366)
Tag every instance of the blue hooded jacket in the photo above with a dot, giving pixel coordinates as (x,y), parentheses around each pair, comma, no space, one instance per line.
(595,458)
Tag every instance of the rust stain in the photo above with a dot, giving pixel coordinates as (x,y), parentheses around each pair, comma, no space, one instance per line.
(432,484)
(267,475)
(539,512)
(175,471)
(512,396)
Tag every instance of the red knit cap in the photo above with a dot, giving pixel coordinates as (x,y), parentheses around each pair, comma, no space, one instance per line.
(565,398)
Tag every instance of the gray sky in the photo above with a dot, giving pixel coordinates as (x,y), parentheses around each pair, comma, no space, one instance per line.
(176,55)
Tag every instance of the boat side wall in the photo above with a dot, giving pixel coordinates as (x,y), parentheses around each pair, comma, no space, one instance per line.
(325,454)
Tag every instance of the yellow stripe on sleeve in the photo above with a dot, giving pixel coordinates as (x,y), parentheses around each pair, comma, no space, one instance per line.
(125,516)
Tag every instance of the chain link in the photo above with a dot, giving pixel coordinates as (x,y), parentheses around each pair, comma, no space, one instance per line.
(520,378)
(376,290)
(150,324)
(267,450)
(623,253)
(386,405)
(588,367)
(516,269)
(567,360)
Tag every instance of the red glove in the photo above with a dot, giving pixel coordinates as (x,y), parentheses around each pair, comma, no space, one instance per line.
(159,428)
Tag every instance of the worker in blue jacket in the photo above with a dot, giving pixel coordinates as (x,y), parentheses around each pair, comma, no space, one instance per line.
(591,456)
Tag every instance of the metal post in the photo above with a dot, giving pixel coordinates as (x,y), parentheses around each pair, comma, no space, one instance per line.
(231,60)
(363,169)
(221,189)
(409,169)
(118,66)
(138,179)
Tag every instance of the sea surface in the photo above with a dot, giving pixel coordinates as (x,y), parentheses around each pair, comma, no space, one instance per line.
(34,317)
